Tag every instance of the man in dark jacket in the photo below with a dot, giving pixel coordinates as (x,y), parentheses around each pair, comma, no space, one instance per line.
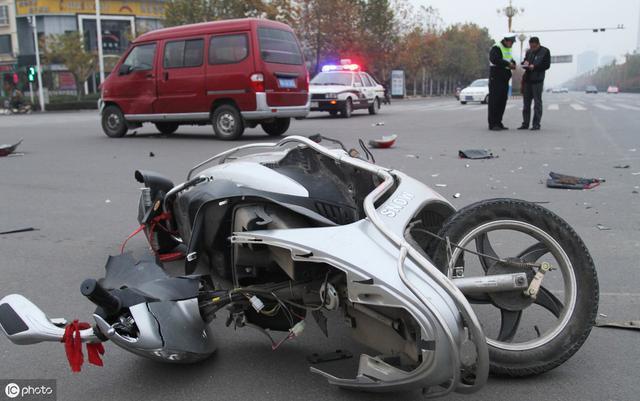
(501,63)
(536,61)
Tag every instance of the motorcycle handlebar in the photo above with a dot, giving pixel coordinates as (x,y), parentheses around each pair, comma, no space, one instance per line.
(91,289)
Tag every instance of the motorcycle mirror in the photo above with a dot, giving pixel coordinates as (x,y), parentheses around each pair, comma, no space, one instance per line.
(24,323)
(317,138)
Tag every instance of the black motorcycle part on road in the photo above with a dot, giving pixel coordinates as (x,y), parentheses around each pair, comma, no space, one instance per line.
(566,343)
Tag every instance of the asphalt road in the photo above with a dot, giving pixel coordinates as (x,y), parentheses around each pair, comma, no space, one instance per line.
(76,186)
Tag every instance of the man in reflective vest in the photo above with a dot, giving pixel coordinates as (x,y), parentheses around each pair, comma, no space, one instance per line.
(501,63)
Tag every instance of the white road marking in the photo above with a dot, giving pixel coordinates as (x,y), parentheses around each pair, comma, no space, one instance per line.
(554,106)
(577,107)
(603,107)
(628,106)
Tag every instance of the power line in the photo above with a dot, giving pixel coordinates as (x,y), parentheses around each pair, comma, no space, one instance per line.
(572,29)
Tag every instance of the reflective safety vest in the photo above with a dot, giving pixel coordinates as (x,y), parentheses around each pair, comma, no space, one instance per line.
(506,53)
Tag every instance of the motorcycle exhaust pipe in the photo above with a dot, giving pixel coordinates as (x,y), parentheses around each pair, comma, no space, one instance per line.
(24,323)
(492,283)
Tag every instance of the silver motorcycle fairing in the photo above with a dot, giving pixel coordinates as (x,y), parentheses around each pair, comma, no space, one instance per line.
(169,331)
(371,263)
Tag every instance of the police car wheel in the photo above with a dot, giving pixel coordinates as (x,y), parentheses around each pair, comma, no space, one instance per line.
(375,106)
(486,100)
(347,109)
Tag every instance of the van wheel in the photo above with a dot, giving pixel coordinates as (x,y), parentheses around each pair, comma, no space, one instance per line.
(463,102)
(278,127)
(227,122)
(333,113)
(347,109)
(167,128)
(113,122)
(375,106)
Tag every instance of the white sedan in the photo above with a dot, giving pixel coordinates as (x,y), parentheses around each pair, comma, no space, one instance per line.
(478,91)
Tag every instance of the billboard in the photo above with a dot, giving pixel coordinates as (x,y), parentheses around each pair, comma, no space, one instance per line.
(397,83)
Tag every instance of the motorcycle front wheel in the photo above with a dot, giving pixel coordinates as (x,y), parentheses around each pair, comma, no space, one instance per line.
(526,335)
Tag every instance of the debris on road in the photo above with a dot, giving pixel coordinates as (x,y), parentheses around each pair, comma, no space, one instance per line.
(151,154)
(625,324)
(412,156)
(6,149)
(572,182)
(107,201)
(441,185)
(435,175)
(603,228)
(19,230)
(378,124)
(384,142)
(622,166)
(456,195)
(475,154)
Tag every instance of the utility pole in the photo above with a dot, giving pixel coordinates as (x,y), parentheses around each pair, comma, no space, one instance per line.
(99,32)
(510,11)
(38,67)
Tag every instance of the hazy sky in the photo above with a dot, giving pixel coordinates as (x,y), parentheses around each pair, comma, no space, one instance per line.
(554,14)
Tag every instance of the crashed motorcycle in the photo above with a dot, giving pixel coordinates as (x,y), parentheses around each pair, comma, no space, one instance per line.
(276,236)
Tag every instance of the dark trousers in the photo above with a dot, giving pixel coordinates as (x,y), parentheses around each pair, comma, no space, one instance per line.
(532,91)
(498,93)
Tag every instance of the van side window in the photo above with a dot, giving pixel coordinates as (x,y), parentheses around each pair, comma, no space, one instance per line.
(141,57)
(228,49)
(278,46)
(183,53)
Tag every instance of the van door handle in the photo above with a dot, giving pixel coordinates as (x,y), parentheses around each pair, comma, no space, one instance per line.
(149,75)
(166,75)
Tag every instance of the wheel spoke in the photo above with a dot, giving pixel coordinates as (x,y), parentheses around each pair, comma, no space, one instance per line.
(508,324)
(534,252)
(484,246)
(549,301)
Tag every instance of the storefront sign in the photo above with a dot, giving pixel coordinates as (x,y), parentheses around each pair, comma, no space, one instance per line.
(152,9)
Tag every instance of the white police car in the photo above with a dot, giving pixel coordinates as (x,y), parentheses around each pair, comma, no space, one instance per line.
(345,88)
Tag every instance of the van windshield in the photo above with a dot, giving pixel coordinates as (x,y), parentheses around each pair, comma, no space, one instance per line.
(278,46)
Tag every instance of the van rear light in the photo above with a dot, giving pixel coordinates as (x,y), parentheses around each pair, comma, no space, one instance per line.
(257,82)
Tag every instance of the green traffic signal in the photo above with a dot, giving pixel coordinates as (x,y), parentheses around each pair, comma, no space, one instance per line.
(31,74)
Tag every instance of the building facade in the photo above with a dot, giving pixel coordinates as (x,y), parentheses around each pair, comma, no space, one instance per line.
(8,38)
(120,20)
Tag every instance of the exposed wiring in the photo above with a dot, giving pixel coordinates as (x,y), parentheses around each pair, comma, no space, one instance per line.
(366,151)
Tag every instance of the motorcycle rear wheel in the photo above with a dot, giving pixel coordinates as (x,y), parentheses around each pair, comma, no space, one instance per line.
(575,314)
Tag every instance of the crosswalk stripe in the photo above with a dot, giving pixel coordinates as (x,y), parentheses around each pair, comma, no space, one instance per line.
(603,107)
(577,107)
(627,106)
(553,107)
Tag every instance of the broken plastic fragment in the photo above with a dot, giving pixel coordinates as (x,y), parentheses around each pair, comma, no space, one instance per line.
(7,149)
(384,142)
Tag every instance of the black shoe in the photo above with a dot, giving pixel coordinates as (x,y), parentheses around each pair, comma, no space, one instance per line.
(535,128)
(523,127)
(495,129)
(503,127)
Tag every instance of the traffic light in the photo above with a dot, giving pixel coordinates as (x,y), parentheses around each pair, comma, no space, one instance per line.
(31,73)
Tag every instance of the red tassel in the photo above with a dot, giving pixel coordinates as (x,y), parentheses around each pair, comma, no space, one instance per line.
(73,347)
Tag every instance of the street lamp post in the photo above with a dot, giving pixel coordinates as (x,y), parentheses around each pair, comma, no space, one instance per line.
(510,11)
(522,37)
(38,67)
(99,32)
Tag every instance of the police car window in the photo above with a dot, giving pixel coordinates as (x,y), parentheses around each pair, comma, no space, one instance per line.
(479,82)
(365,80)
(278,46)
(228,49)
(332,78)
(141,57)
(183,53)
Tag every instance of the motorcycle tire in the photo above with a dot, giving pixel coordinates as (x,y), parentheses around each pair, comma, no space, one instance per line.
(566,339)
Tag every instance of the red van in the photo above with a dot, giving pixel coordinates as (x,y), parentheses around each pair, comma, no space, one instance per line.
(231,74)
